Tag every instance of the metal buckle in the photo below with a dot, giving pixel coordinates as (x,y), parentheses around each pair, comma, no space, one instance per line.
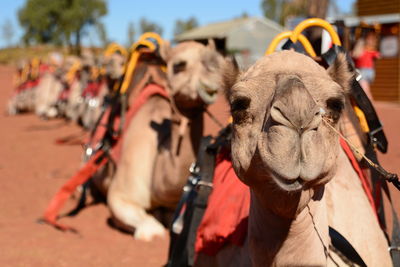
(372,134)
(194,169)
(376,130)
(391,248)
(206,184)
(359,76)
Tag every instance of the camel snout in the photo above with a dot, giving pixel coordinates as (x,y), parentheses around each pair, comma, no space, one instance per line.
(294,106)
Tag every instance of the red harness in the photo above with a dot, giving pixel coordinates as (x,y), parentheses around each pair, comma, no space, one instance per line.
(92,89)
(226,217)
(97,160)
(28,85)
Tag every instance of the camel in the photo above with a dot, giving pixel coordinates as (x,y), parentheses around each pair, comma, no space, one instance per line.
(92,106)
(76,85)
(70,98)
(157,152)
(284,148)
(23,99)
(49,89)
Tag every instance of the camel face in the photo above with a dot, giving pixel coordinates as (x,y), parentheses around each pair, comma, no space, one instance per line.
(114,66)
(277,108)
(193,73)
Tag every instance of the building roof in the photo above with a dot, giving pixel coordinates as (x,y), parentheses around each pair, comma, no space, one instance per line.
(221,30)
(352,21)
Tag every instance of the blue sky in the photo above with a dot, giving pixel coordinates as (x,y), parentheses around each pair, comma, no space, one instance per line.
(163,12)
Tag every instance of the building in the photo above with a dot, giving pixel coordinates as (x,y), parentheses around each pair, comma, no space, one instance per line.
(385,16)
(246,38)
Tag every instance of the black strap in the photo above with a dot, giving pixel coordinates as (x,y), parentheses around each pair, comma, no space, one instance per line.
(179,251)
(182,246)
(344,247)
(200,202)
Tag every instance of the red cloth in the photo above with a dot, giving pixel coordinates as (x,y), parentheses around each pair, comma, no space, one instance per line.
(226,217)
(92,89)
(44,68)
(64,94)
(366,60)
(28,85)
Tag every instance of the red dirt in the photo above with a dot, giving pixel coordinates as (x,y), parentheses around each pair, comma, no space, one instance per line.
(33,167)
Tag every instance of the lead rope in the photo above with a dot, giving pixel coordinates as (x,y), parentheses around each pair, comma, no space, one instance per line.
(390,177)
(214,119)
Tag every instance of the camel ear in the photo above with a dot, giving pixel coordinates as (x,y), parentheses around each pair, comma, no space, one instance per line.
(165,50)
(340,72)
(211,44)
(230,73)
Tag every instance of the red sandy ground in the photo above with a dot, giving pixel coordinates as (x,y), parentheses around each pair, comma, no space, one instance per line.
(33,167)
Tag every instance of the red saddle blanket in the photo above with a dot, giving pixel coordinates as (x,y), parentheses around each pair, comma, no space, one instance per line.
(226,217)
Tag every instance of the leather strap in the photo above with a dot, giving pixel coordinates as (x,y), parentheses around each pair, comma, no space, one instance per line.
(182,246)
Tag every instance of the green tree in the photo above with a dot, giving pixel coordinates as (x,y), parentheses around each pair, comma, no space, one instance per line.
(148,26)
(271,9)
(182,26)
(279,10)
(40,21)
(131,34)
(7,32)
(61,21)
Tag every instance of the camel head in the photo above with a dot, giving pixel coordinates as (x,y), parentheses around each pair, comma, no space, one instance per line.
(114,66)
(281,146)
(193,72)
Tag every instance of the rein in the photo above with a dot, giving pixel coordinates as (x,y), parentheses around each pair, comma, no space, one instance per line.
(385,175)
(214,119)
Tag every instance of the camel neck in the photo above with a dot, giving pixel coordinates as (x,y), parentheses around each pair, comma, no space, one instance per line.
(278,241)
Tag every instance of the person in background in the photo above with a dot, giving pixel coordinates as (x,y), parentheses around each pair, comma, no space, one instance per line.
(365,54)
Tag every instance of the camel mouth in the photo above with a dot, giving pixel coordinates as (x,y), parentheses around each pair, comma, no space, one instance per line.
(290,185)
(207,93)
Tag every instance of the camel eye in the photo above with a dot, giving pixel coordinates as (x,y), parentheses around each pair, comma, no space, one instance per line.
(240,104)
(179,67)
(335,106)
(239,111)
